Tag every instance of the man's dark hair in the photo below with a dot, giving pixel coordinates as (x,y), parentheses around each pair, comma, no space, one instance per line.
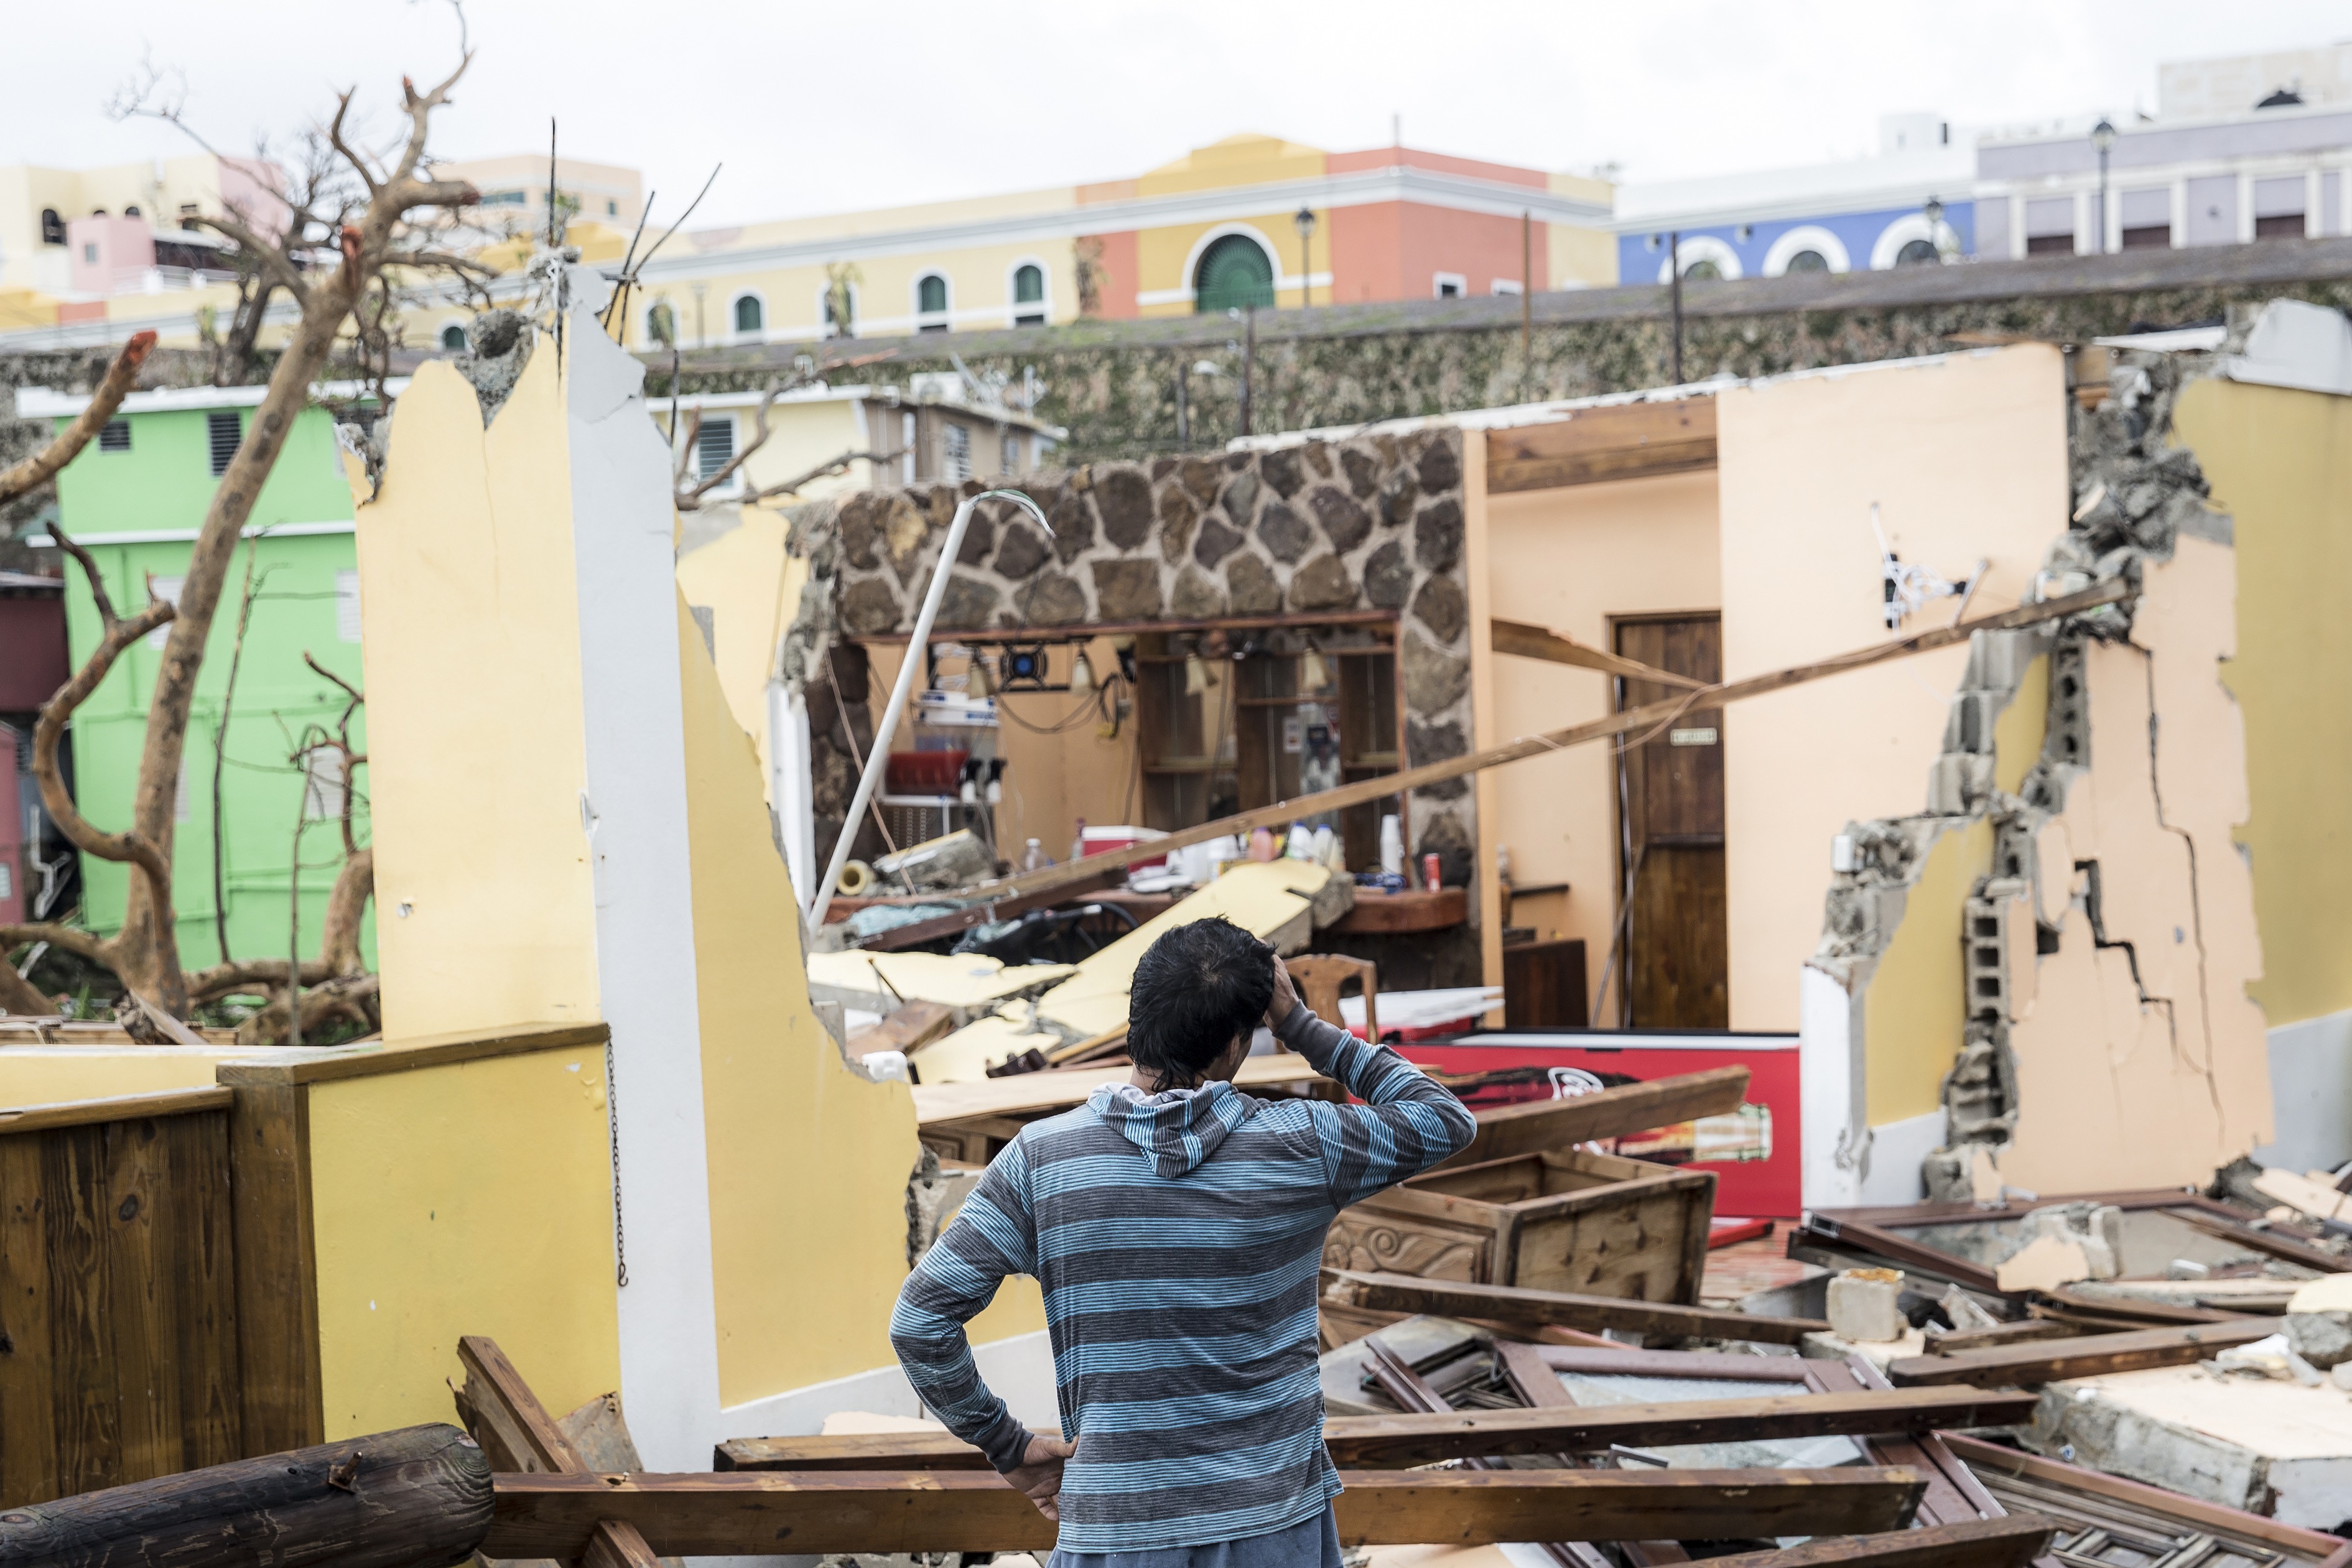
(1197,987)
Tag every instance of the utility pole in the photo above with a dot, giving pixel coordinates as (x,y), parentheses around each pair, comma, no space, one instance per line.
(1675,267)
(1183,415)
(2103,137)
(1527,299)
(1249,361)
(1306,222)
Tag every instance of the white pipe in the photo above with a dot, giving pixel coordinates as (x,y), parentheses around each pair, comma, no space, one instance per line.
(880,755)
(789,783)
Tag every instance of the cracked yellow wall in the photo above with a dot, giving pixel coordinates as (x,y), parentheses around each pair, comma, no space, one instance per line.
(2280,463)
(808,1160)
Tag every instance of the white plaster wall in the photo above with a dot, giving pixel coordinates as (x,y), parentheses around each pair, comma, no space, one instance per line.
(635,811)
(2311,1093)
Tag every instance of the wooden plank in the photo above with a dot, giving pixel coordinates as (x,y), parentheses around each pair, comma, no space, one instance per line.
(2089,1355)
(1385,1442)
(524,1431)
(900,937)
(28,1433)
(203,1282)
(1630,721)
(2022,1332)
(520,1435)
(141,1307)
(116,1108)
(1060,1089)
(1511,1304)
(418,1497)
(1505,1132)
(1517,637)
(2007,1543)
(286,1068)
(81,1327)
(277,1268)
(1625,441)
(1398,913)
(734,1514)
(2213,1516)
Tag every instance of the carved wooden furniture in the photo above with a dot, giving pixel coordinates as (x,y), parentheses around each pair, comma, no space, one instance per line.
(1566,1220)
(1319,977)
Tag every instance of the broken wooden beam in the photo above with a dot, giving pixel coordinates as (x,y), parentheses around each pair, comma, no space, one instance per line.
(518,1434)
(417,1497)
(1536,642)
(1521,1308)
(1506,1132)
(2025,1331)
(1649,716)
(761,1512)
(2012,1542)
(1385,1442)
(2087,1355)
(898,938)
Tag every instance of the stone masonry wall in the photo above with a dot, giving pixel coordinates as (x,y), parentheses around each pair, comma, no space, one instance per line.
(1373,523)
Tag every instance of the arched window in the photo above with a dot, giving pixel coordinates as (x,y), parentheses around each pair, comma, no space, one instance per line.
(1702,272)
(1234,274)
(932,303)
(661,323)
(131,210)
(1028,289)
(98,212)
(53,227)
(1807,261)
(453,337)
(748,316)
(1918,253)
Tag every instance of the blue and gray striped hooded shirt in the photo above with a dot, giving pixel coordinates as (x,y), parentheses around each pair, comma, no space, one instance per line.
(1178,1239)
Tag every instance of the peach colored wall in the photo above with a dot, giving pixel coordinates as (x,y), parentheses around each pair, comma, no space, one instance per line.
(1569,560)
(1966,455)
(1364,247)
(2117,1092)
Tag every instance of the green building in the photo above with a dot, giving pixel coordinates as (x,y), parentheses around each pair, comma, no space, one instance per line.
(135,497)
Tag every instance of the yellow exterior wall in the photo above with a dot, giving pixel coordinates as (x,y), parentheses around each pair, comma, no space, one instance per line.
(1801,460)
(801,435)
(1160,255)
(486,910)
(51,1074)
(1247,159)
(809,1161)
(2278,463)
(980,293)
(1569,559)
(470,1198)
(1916,1003)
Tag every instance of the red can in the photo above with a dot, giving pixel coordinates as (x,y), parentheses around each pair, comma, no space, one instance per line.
(1430,877)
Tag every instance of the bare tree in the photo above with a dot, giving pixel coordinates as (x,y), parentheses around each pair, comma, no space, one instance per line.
(327,267)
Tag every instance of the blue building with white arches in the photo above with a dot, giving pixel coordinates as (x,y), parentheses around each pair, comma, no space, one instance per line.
(1870,212)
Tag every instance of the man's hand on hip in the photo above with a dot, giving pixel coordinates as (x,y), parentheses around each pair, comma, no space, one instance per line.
(1039,1473)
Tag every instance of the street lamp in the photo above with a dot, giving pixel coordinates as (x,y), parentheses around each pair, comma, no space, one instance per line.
(2103,137)
(1306,222)
(1934,213)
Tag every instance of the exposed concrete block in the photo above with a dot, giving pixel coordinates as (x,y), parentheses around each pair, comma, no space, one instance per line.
(1864,1305)
(1998,660)
(1973,714)
(2273,1446)
(2097,1228)
(1957,783)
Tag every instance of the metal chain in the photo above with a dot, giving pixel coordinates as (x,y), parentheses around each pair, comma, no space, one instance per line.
(613,1121)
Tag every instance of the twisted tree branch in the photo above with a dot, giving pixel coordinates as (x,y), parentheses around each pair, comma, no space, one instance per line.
(43,465)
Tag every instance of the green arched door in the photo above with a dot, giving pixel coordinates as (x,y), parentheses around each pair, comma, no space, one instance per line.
(1234,274)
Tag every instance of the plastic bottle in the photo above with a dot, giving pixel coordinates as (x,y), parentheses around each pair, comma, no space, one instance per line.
(1393,845)
(1078,844)
(1035,858)
(1300,845)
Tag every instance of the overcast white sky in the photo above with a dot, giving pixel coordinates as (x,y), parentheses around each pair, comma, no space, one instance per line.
(822,108)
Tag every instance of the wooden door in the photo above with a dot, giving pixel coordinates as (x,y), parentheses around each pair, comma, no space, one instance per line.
(1677,972)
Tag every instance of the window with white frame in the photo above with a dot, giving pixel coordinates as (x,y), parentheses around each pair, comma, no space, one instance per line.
(1506,286)
(1448,286)
(167,589)
(1010,453)
(453,337)
(714,445)
(1028,295)
(224,433)
(955,442)
(932,303)
(347,606)
(751,316)
(661,323)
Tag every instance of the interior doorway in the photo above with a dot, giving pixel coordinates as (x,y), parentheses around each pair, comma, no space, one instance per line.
(1674,961)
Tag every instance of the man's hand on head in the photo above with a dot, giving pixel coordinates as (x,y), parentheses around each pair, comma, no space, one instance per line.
(1286,995)
(1039,1473)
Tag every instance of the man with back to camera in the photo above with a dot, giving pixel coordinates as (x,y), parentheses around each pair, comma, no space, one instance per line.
(1176,1225)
